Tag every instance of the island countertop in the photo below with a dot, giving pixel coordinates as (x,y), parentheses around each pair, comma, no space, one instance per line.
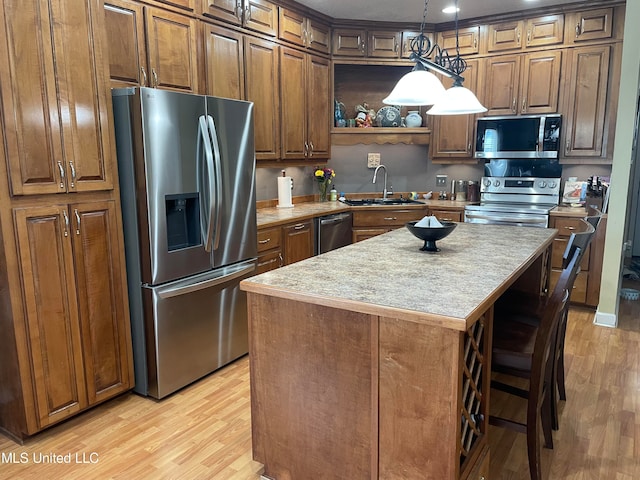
(389,275)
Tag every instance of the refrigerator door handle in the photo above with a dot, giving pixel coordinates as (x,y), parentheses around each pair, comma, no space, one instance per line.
(218,180)
(205,182)
(226,275)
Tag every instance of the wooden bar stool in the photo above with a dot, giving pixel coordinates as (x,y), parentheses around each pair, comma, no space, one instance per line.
(526,351)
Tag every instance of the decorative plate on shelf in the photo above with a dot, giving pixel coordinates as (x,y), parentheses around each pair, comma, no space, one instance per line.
(388,116)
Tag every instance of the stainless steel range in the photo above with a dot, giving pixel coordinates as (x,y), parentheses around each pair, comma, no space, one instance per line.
(522,201)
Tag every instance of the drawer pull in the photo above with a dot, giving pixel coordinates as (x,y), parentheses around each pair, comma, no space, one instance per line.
(268,262)
(263,242)
(300,226)
(447,219)
(570,228)
(390,218)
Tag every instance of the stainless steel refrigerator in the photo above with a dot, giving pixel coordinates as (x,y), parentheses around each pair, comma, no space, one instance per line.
(187,181)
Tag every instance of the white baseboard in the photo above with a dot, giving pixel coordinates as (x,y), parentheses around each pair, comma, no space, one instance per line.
(606,319)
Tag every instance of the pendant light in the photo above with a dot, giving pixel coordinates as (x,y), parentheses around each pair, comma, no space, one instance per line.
(457,100)
(421,87)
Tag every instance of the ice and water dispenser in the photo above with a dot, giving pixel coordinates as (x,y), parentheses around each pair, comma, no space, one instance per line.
(183,220)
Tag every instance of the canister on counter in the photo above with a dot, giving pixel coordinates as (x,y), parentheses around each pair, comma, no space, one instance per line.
(461,191)
(473,191)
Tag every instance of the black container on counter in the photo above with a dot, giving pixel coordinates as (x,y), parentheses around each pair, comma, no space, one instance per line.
(473,191)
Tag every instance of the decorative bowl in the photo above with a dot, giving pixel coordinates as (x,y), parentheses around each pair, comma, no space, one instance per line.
(388,117)
(431,234)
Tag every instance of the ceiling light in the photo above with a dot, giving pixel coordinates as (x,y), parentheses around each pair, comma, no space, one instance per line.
(452,9)
(420,87)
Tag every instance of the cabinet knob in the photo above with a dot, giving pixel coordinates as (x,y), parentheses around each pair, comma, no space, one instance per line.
(66,223)
(528,36)
(518,35)
(578,30)
(144,76)
(567,147)
(154,82)
(61,170)
(524,104)
(513,105)
(238,10)
(77,221)
(310,149)
(247,14)
(73,175)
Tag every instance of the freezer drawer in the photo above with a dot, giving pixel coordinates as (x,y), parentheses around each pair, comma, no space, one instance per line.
(194,326)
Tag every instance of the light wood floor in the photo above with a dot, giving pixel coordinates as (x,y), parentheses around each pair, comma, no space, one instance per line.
(203,432)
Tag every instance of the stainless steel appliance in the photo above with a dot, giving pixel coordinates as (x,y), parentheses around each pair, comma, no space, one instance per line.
(524,201)
(333,231)
(187,180)
(523,136)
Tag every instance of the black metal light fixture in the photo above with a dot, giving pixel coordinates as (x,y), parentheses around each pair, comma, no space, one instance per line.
(421,87)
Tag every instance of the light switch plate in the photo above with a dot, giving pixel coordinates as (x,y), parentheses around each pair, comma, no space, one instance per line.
(441,180)
(373,160)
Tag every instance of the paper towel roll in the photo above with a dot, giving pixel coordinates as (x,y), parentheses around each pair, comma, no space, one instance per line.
(285,185)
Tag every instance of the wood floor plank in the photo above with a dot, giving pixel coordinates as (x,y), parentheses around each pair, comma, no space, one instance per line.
(204,431)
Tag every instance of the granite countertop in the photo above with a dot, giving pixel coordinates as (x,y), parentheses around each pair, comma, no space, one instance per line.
(388,274)
(273,216)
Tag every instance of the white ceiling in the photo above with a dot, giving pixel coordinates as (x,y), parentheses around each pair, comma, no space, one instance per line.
(412,10)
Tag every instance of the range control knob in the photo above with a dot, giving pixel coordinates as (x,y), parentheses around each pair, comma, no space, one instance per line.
(552,184)
(496,183)
(487,183)
(542,184)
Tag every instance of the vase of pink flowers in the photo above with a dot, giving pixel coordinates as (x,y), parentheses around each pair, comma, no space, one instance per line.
(323,176)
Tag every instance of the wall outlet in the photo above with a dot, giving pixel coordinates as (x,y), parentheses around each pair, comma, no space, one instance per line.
(441,180)
(373,160)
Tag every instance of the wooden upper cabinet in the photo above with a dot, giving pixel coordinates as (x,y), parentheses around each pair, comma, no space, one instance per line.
(468,39)
(48,284)
(350,42)
(258,15)
(55,143)
(124,23)
(151,47)
(540,82)
(523,84)
(546,30)
(385,44)
(172,49)
(593,25)
(586,95)
(502,75)
(101,300)
(224,60)
(453,135)
(262,88)
(505,36)
(319,111)
(534,32)
(407,37)
(305,32)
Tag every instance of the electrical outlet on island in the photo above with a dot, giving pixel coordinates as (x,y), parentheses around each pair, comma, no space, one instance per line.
(373,160)
(441,180)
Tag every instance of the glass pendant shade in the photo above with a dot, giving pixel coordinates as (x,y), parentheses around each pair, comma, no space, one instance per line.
(457,100)
(418,87)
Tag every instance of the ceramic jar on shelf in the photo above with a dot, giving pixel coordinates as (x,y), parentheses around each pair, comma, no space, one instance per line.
(413,119)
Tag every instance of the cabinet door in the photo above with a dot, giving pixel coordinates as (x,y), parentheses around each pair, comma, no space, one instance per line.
(501,89)
(292,27)
(540,82)
(124,24)
(453,135)
(185,4)
(505,36)
(584,113)
(351,42)
(101,299)
(55,348)
(261,16)
(383,44)
(293,103)
(318,36)
(593,25)
(262,88)
(298,242)
(173,58)
(468,40)
(224,62)
(228,10)
(319,109)
(56,142)
(547,30)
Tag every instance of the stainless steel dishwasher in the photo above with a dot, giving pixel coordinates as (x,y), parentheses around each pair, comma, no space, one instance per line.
(333,231)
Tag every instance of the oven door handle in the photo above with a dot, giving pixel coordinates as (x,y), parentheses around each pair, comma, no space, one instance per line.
(505,219)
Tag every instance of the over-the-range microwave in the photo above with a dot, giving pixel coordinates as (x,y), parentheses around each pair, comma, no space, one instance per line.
(526,136)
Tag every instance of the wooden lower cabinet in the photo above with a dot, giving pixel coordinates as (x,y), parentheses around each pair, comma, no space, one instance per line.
(76,308)
(368,223)
(298,241)
(446,215)
(586,289)
(269,249)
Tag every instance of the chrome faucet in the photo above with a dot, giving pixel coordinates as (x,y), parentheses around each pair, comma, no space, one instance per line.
(375,173)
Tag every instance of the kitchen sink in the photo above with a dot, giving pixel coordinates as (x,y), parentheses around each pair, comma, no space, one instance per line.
(379,201)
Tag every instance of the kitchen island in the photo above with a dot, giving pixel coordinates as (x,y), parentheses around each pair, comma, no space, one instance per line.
(372,361)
